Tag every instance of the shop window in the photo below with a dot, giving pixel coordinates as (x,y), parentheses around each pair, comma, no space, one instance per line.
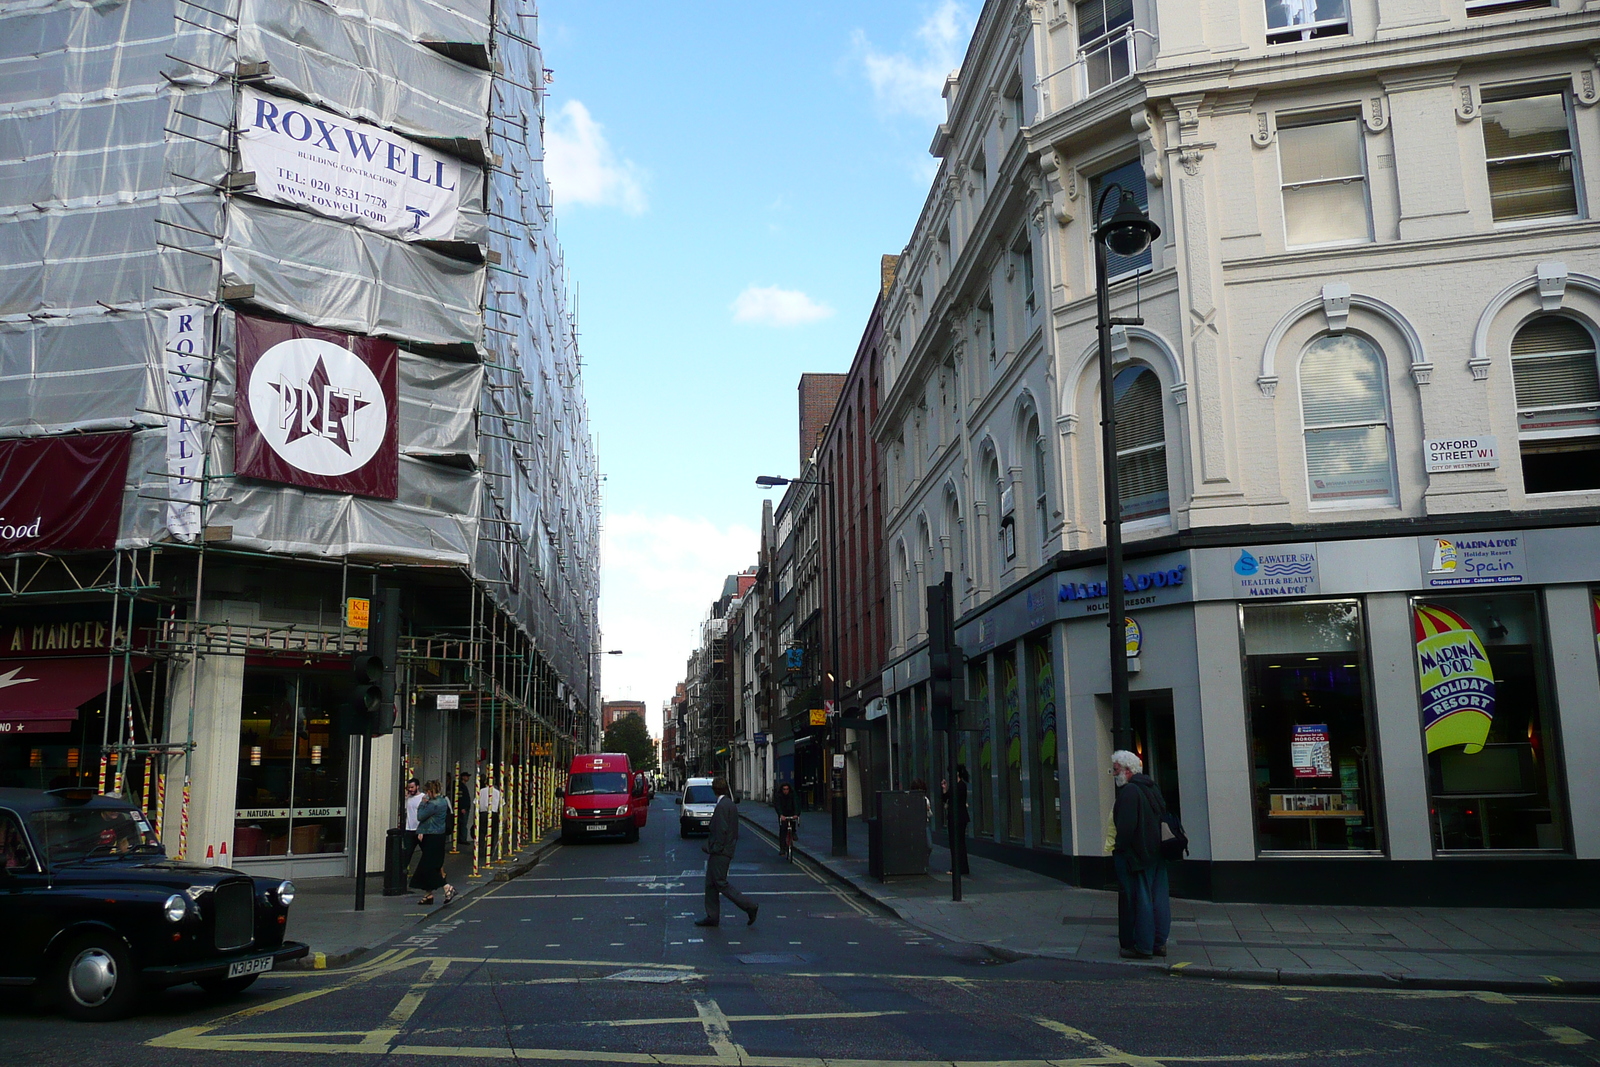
(1105,41)
(1558,405)
(1494,7)
(1527,146)
(982,768)
(1141,443)
(1010,715)
(1047,766)
(1310,727)
(293,764)
(1130,176)
(1303,20)
(1344,400)
(1324,182)
(1487,719)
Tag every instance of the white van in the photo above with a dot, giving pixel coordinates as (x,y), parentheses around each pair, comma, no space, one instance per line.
(695,806)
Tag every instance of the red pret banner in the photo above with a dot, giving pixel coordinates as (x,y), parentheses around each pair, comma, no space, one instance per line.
(317,408)
(62,492)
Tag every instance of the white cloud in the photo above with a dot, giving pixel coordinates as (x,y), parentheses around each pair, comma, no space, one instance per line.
(772,306)
(912,82)
(582,166)
(660,574)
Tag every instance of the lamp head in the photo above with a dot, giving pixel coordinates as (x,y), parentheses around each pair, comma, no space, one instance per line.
(1129,230)
(770,481)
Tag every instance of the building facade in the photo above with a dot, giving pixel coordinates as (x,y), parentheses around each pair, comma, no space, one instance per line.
(1356,440)
(612,710)
(295,333)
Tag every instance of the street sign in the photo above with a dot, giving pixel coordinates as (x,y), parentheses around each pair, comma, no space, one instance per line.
(827,707)
(838,761)
(761,740)
(358,613)
(448,701)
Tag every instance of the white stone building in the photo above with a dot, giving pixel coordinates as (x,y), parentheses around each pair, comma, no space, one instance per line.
(1360,424)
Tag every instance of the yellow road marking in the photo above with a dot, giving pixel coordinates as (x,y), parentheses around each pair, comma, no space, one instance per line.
(378,1040)
(1566,1035)
(1104,1053)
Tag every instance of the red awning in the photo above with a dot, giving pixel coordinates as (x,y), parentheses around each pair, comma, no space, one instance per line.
(45,689)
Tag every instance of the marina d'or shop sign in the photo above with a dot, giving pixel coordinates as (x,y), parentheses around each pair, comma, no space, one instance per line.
(1473,559)
(311,158)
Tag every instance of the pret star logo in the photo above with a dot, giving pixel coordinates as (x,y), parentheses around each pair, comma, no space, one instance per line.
(9,678)
(318,406)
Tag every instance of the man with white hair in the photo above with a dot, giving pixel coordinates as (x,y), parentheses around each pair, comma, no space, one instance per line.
(1136,818)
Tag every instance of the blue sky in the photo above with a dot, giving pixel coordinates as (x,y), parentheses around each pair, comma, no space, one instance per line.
(726,177)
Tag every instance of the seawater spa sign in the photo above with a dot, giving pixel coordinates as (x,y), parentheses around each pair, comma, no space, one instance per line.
(347,170)
(1285,570)
(1473,559)
(1455,679)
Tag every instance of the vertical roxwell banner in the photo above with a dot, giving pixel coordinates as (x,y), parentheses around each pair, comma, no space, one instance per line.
(317,408)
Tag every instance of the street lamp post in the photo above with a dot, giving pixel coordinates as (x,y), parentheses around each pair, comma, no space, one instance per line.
(841,832)
(1128,232)
(588,692)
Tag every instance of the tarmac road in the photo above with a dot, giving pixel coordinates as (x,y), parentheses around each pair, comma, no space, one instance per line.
(594,958)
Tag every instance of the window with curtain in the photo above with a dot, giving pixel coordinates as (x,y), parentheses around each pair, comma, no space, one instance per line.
(1303,20)
(1324,182)
(1141,443)
(1130,176)
(1344,401)
(1105,41)
(1527,146)
(1558,405)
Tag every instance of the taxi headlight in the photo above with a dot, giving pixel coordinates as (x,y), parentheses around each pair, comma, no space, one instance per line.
(572,813)
(176,908)
(285,893)
(623,810)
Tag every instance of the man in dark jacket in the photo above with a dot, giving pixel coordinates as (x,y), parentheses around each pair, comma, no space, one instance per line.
(719,848)
(1141,874)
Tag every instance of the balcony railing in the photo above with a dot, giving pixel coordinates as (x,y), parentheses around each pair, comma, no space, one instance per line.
(1104,62)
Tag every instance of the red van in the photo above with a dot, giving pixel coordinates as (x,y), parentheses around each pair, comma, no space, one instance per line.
(603,796)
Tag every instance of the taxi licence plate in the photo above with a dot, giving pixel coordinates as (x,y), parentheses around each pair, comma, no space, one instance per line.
(244,967)
(595,826)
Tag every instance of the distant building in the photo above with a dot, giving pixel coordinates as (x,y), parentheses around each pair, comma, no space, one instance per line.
(612,710)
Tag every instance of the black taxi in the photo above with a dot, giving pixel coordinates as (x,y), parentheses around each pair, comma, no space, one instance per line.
(93,911)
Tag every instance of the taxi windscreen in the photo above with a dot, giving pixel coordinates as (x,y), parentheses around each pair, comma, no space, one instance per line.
(590,784)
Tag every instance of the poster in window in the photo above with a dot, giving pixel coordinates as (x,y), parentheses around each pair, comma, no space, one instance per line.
(1310,752)
(1456,681)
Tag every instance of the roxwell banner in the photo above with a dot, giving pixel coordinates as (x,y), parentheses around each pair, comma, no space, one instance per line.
(317,408)
(349,170)
(62,492)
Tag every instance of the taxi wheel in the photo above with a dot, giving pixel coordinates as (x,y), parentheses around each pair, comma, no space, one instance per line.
(94,979)
(227,986)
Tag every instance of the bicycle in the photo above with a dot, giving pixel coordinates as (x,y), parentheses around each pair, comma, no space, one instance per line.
(788,826)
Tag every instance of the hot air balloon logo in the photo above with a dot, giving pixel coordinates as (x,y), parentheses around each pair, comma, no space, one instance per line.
(1457,682)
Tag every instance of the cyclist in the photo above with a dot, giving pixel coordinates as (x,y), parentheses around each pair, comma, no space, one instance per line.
(788,809)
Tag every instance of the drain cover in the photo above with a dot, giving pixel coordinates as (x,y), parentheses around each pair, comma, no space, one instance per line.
(771,957)
(640,974)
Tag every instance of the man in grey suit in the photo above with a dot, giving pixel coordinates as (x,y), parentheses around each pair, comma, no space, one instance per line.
(719,846)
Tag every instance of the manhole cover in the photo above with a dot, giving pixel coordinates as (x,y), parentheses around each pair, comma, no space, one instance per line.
(771,957)
(639,974)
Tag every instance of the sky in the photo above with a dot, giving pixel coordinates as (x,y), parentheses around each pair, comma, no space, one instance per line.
(726,177)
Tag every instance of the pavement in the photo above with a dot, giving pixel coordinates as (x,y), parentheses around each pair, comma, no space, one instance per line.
(1017,914)
(324,916)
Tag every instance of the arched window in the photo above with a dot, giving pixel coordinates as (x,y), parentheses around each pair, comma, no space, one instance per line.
(957,533)
(902,570)
(1344,402)
(1558,405)
(1040,485)
(1141,443)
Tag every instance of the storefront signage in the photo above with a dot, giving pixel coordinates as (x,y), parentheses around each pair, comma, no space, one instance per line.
(1310,752)
(1134,637)
(760,740)
(188,367)
(62,492)
(1140,589)
(1473,559)
(1283,570)
(819,717)
(318,408)
(358,613)
(1456,681)
(81,637)
(1446,454)
(348,170)
(286,813)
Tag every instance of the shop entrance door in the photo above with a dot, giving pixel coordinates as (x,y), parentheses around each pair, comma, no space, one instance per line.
(1155,741)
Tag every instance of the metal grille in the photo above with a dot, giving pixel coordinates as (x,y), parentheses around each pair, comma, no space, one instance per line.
(235,916)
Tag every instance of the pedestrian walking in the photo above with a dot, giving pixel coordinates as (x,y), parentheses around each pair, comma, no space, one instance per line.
(414,799)
(918,785)
(433,823)
(1144,920)
(719,848)
(465,813)
(488,804)
(955,806)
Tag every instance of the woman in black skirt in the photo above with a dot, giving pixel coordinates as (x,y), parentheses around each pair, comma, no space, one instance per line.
(433,821)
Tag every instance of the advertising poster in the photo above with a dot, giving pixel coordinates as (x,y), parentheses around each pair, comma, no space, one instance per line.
(188,372)
(317,409)
(1456,681)
(1044,692)
(311,158)
(1310,752)
(62,492)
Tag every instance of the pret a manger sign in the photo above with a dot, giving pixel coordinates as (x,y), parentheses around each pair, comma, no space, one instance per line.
(312,158)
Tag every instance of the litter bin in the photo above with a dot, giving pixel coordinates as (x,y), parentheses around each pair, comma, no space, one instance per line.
(394,862)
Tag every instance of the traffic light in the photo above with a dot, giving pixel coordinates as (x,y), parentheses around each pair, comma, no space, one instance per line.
(942,655)
(360,712)
(369,708)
